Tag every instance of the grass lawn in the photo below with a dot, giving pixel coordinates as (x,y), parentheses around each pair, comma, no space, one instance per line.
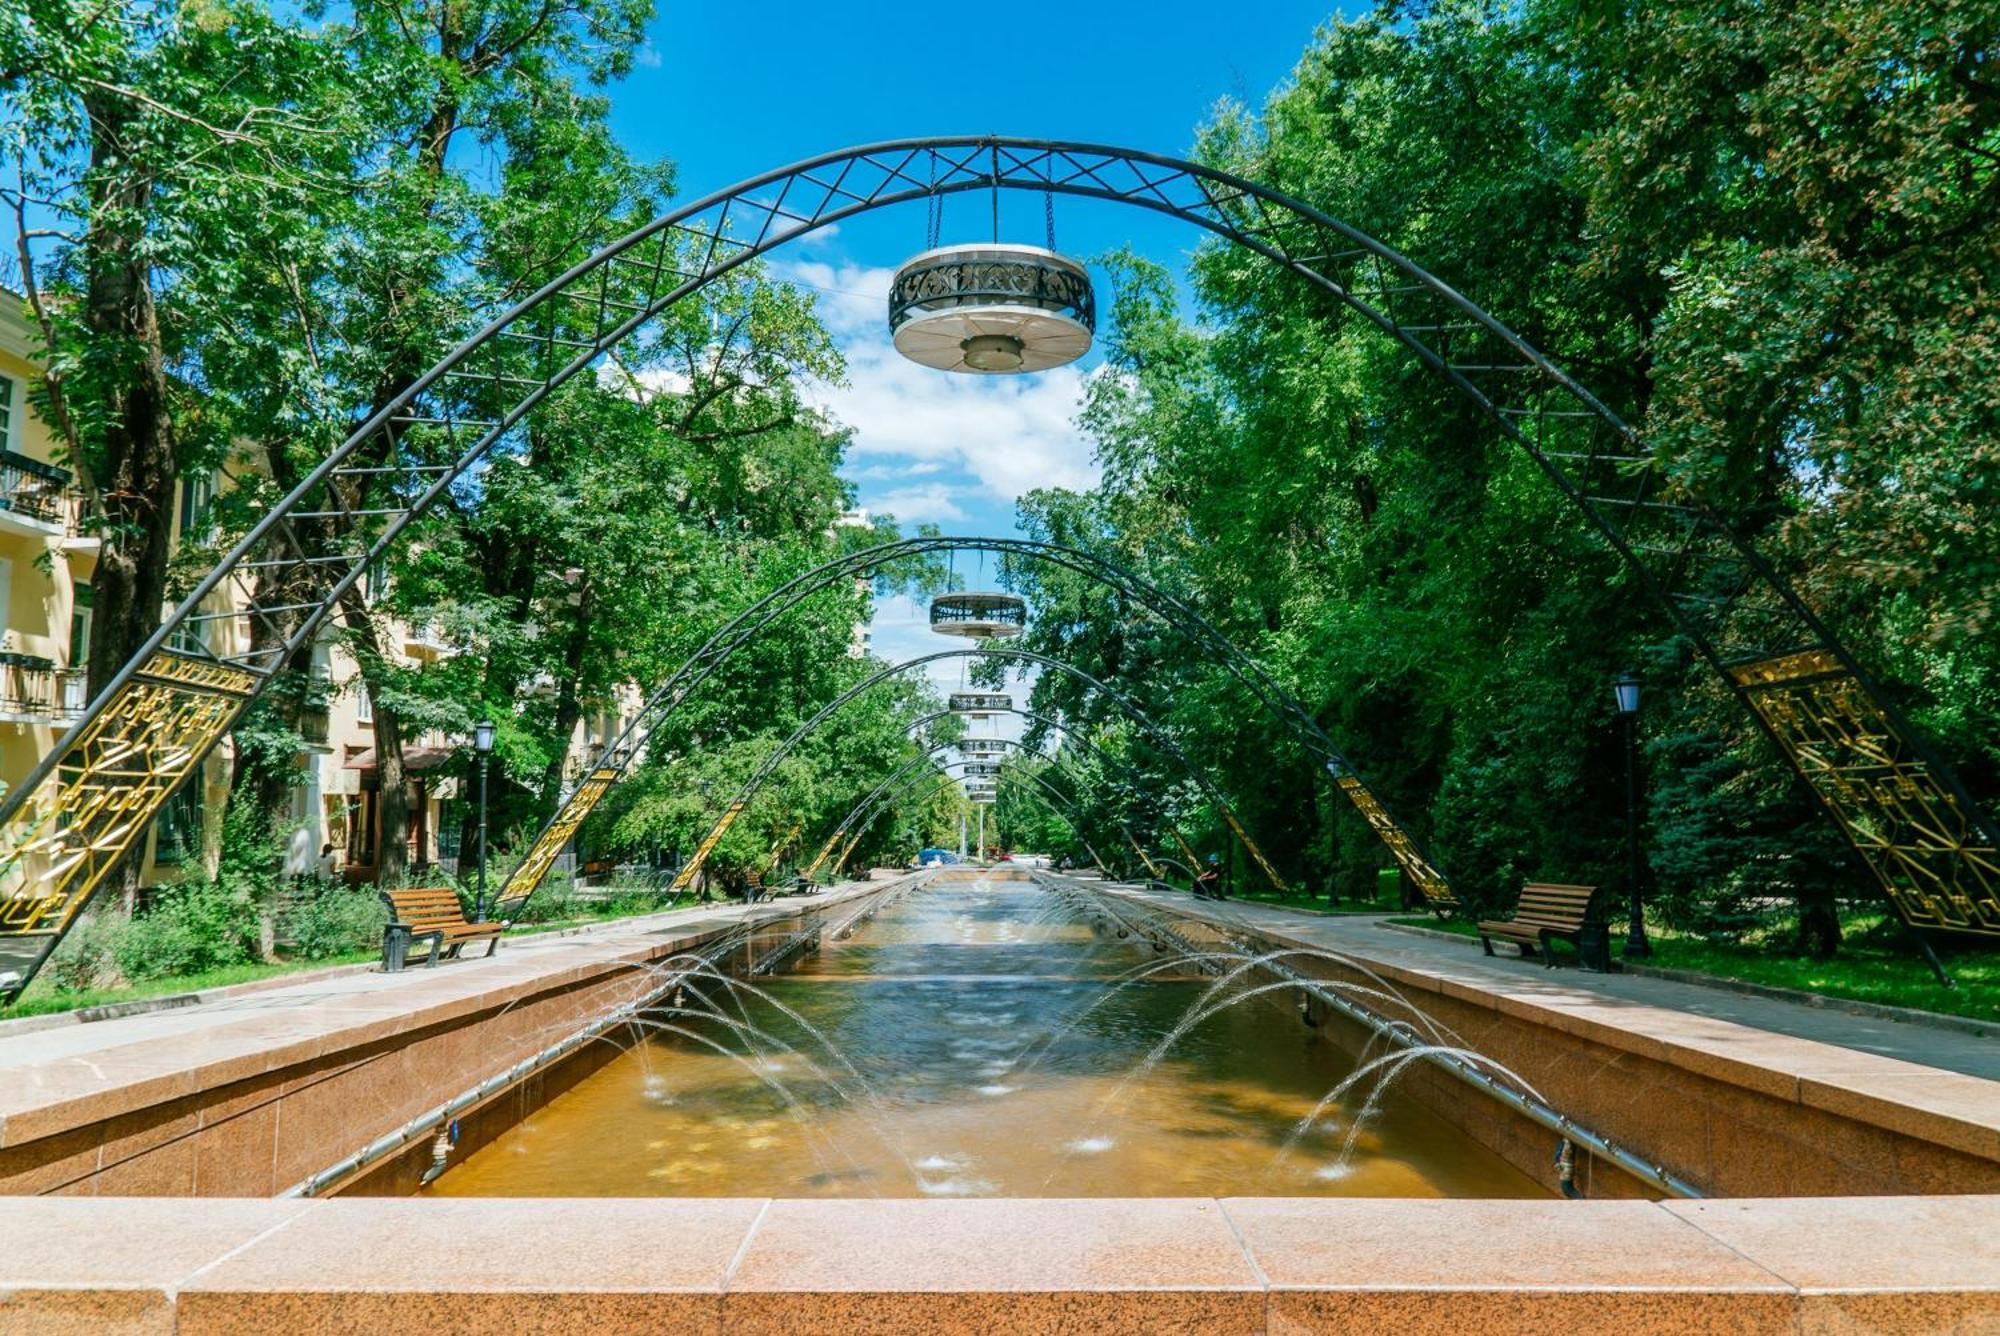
(44,998)
(1874,965)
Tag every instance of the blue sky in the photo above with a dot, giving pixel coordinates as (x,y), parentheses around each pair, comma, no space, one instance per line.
(729,91)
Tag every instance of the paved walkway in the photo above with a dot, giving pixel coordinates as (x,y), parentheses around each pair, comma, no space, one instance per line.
(1378,940)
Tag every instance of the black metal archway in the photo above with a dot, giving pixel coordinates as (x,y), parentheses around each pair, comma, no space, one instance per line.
(776,756)
(620,753)
(1907,816)
(882,795)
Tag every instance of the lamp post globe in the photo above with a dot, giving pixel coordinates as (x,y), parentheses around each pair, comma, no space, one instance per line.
(1625,692)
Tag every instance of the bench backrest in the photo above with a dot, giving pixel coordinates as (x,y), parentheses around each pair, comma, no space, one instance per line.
(754,879)
(1555,902)
(418,905)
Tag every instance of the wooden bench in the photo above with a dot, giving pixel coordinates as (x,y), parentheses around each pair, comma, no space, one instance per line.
(754,888)
(1547,912)
(430,914)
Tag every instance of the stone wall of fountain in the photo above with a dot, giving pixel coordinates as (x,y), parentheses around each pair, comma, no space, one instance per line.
(253,1106)
(1732,1124)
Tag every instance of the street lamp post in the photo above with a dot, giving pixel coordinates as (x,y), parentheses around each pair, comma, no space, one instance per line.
(482,742)
(1626,692)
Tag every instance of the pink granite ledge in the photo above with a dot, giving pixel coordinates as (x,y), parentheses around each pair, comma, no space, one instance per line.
(42,1096)
(1163,1264)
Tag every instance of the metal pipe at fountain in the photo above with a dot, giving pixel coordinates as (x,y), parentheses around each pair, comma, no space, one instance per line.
(1397,1032)
(445,1114)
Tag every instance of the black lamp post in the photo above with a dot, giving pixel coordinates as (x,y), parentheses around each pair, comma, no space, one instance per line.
(1626,691)
(482,742)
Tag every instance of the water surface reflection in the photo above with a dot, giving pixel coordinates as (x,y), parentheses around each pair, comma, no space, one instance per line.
(978,1055)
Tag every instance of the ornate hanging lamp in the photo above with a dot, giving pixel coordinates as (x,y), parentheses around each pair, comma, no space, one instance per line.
(980,704)
(979,616)
(992,309)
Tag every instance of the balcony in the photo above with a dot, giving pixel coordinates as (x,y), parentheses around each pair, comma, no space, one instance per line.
(36,499)
(34,691)
(425,638)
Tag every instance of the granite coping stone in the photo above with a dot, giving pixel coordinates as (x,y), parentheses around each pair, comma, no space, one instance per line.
(1195,1264)
(53,1081)
(1928,1103)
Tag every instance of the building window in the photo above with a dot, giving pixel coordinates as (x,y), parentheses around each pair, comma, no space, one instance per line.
(178,828)
(364,704)
(10,407)
(197,490)
(79,627)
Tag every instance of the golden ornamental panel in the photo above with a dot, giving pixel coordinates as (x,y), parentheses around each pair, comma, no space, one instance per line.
(1937,866)
(147,741)
(715,835)
(553,840)
(1270,873)
(1428,880)
(1152,868)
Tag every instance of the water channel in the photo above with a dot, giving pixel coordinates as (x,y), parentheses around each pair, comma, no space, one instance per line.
(977,1038)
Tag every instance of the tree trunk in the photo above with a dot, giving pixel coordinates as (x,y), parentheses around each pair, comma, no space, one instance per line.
(132,471)
(569,708)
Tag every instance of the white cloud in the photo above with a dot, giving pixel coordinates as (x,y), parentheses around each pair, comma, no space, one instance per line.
(1011,433)
(930,503)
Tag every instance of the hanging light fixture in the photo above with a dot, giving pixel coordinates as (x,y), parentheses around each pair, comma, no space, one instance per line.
(979,704)
(979,615)
(992,309)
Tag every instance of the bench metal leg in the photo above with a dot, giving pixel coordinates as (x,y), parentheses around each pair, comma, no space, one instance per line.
(1486,942)
(395,948)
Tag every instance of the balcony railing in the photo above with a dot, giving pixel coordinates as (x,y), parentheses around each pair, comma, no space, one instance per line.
(34,687)
(36,491)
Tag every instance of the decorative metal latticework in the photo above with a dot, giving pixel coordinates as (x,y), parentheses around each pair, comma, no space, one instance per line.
(980,704)
(304,558)
(129,760)
(982,769)
(979,616)
(992,308)
(985,746)
(1938,867)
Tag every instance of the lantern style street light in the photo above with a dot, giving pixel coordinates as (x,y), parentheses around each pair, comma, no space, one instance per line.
(1625,690)
(482,742)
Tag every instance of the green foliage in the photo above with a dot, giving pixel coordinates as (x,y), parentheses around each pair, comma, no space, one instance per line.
(1763,233)
(84,958)
(332,919)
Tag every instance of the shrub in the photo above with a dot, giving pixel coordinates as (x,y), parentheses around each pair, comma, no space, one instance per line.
(83,960)
(334,920)
(191,926)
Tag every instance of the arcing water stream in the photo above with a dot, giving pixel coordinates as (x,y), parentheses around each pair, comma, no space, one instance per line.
(979,1038)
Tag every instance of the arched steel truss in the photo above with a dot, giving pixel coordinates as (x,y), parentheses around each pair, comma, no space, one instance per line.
(1903,810)
(777,755)
(622,751)
(879,796)
(1068,809)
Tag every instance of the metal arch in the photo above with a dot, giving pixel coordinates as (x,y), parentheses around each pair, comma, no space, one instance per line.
(778,754)
(861,824)
(1066,817)
(739,630)
(1903,810)
(847,822)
